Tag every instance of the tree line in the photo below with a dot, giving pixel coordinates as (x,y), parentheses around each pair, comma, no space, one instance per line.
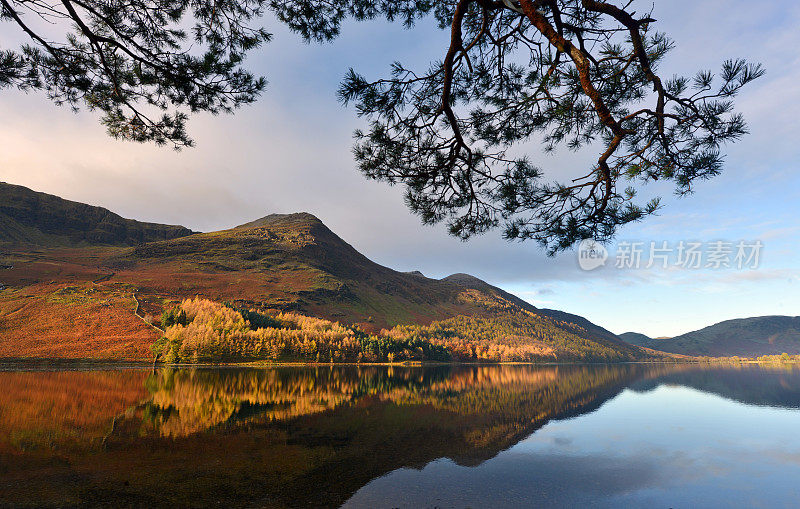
(200,330)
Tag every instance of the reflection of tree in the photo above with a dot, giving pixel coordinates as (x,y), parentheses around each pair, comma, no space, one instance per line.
(298,436)
(504,398)
(187,401)
(44,408)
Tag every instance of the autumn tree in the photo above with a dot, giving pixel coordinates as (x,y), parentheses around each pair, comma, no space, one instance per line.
(460,135)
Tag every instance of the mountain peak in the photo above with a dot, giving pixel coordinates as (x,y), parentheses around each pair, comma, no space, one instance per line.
(293,219)
(464,279)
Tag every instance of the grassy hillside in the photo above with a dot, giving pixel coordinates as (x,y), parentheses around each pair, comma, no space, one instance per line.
(39,219)
(746,337)
(290,262)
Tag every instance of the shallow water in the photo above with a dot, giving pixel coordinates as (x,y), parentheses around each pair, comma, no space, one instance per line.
(495,436)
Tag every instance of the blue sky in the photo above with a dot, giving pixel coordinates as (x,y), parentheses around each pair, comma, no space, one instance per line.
(291,152)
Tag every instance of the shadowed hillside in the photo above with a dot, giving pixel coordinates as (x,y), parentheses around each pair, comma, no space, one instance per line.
(29,217)
(749,337)
(636,338)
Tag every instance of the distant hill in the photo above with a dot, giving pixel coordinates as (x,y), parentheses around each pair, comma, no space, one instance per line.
(636,338)
(748,337)
(281,262)
(39,219)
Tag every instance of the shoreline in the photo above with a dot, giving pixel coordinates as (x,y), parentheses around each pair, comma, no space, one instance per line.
(66,364)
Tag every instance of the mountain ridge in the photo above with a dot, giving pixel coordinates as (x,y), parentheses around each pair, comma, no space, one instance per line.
(636,338)
(277,263)
(752,336)
(42,219)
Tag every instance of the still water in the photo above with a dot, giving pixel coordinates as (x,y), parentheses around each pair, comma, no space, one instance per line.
(495,436)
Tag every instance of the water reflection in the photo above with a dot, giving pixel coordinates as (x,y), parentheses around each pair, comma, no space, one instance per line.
(316,436)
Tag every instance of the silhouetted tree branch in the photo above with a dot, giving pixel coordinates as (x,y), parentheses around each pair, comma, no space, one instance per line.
(516,74)
(135,61)
(568,73)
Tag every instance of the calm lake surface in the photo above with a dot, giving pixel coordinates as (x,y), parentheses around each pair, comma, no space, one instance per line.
(497,436)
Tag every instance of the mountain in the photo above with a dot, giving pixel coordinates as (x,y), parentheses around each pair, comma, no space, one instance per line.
(290,262)
(467,281)
(636,338)
(747,337)
(581,322)
(96,293)
(472,282)
(30,217)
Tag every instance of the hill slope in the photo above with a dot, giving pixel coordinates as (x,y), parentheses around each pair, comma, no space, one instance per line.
(638,339)
(279,263)
(468,281)
(30,217)
(289,262)
(762,335)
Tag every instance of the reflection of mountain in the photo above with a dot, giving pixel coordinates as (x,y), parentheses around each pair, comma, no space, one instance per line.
(749,384)
(297,436)
(59,407)
(371,421)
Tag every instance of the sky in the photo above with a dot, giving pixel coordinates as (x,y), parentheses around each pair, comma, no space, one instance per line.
(291,151)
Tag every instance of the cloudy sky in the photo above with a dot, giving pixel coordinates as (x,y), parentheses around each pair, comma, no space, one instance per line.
(291,152)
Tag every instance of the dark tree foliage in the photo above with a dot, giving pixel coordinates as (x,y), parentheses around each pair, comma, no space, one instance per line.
(143,63)
(173,316)
(517,74)
(546,73)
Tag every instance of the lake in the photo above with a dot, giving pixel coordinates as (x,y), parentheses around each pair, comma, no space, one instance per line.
(632,435)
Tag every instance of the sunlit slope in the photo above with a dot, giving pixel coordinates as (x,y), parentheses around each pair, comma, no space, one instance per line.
(294,262)
(289,262)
